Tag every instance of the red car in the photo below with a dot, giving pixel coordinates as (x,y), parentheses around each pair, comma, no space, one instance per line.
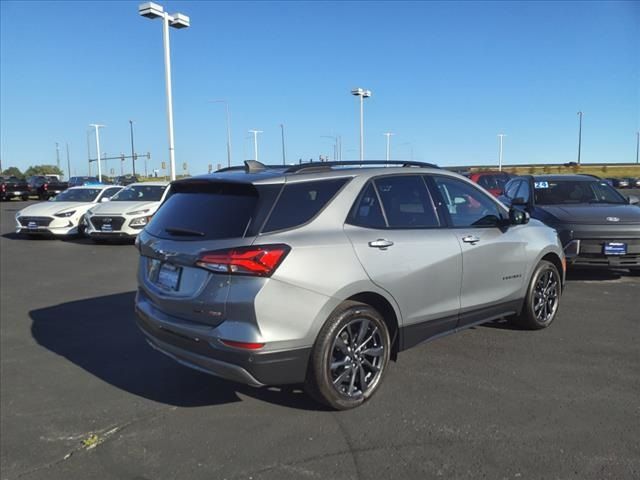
(493,182)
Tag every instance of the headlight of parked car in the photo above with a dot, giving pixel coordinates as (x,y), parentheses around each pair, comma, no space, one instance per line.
(64,214)
(139,222)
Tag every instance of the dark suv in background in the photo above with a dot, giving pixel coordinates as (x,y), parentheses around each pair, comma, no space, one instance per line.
(598,226)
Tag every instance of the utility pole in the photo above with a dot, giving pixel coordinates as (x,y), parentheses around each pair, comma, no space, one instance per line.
(68,164)
(133,154)
(255,142)
(388,135)
(501,136)
(284,158)
(579,136)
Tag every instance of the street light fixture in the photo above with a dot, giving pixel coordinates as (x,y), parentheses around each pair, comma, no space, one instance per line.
(500,136)
(226,106)
(97,127)
(362,93)
(255,142)
(176,20)
(388,135)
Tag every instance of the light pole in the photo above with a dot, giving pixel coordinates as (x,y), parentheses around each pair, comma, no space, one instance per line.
(177,20)
(284,156)
(133,154)
(637,145)
(388,135)
(226,106)
(500,136)
(255,142)
(579,136)
(97,127)
(359,92)
(68,164)
(57,156)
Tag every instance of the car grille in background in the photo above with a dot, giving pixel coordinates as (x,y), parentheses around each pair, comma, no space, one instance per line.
(39,221)
(115,222)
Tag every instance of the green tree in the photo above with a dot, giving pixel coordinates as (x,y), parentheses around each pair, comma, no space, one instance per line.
(12,172)
(42,170)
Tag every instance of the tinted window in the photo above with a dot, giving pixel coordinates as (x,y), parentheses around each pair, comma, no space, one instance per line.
(300,202)
(467,206)
(524,191)
(512,188)
(367,212)
(206,211)
(406,202)
(110,192)
(140,193)
(553,192)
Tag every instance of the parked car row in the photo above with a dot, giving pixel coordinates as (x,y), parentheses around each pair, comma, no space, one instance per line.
(101,212)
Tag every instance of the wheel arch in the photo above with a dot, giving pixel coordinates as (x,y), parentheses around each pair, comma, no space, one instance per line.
(389,315)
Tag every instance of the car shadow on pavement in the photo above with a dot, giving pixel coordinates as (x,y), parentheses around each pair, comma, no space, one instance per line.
(100,336)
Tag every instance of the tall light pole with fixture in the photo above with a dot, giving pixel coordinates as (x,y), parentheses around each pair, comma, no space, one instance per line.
(362,93)
(98,159)
(579,136)
(388,135)
(255,142)
(500,136)
(133,151)
(226,106)
(177,20)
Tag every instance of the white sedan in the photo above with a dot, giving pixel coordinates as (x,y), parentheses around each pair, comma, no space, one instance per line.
(127,213)
(62,215)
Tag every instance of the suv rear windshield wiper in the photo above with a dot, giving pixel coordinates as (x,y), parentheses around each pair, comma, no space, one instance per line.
(184,231)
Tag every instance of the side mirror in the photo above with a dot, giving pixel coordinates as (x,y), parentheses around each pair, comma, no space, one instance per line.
(105,199)
(633,200)
(519,201)
(518,217)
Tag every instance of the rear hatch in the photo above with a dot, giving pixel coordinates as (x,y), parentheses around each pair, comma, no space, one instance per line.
(200,216)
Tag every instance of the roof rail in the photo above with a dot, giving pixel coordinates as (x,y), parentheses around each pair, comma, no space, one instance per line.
(250,166)
(359,163)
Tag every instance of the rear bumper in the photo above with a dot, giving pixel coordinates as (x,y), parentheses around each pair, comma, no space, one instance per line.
(196,347)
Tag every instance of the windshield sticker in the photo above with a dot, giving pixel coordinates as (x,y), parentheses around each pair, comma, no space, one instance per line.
(539,185)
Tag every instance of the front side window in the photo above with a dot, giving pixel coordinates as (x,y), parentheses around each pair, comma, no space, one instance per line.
(300,202)
(467,206)
(406,202)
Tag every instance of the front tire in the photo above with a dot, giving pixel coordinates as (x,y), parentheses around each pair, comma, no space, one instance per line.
(543,298)
(350,357)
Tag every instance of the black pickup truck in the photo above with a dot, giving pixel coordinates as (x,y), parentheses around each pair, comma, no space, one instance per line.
(11,187)
(45,187)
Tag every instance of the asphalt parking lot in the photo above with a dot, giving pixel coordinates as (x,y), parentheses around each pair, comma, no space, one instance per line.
(83,396)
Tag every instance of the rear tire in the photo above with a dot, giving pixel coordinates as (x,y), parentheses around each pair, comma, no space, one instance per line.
(349,357)
(543,298)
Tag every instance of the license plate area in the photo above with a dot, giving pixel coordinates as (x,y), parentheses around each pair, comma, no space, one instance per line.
(32,226)
(615,248)
(164,275)
(106,228)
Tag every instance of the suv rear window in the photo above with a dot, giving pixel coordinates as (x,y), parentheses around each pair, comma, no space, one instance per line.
(212,210)
(300,202)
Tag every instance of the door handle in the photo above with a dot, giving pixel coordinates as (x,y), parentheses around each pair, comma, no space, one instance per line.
(472,239)
(381,243)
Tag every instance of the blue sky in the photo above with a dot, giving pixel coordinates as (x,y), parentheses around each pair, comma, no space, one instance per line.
(446,78)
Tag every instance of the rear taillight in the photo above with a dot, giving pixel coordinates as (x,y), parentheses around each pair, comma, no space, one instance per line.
(45,186)
(259,260)
(3,187)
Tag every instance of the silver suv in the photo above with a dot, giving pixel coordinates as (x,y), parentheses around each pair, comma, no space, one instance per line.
(321,273)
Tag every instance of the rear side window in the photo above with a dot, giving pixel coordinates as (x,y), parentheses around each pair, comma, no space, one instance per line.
(406,202)
(367,212)
(206,211)
(300,202)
